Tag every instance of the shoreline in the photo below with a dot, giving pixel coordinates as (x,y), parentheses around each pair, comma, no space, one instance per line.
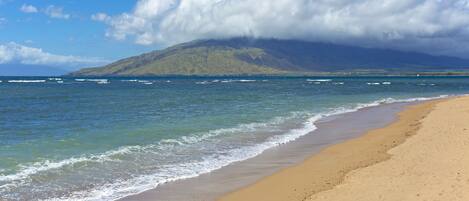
(328,168)
(331,130)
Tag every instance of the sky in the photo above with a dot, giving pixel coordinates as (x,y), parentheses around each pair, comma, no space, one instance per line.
(72,34)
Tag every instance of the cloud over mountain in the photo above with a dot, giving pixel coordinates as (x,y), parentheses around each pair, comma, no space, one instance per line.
(434,26)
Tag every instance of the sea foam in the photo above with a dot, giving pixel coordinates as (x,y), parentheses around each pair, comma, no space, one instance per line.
(26,81)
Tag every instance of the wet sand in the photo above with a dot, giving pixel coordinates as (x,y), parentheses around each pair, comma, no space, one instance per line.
(424,155)
(331,130)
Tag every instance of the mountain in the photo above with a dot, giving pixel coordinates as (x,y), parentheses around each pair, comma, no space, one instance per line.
(270,56)
(29,70)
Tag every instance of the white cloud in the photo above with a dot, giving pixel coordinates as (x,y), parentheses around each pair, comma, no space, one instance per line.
(15,53)
(28,9)
(56,12)
(102,17)
(51,11)
(2,20)
(436,26)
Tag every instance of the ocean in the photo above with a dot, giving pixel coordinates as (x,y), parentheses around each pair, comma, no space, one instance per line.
(65,138)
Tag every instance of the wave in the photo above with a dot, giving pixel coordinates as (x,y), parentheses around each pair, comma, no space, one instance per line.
(173,172)
(203,82)
(229,81)
(27,170)
(146,82)
(426,84)
(26,81)
(129,80)
(319,80)
(54,79)
(91,80)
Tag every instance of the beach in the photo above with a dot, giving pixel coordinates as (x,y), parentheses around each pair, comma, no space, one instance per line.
(331,130)
(125,144)
(421,156)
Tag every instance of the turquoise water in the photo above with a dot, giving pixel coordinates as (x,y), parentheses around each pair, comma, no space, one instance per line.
(107,138)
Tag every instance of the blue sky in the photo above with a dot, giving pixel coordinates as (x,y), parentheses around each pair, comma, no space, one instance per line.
(80,33)
(74,34)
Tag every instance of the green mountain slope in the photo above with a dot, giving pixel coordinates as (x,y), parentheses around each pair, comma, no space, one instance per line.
(267,56)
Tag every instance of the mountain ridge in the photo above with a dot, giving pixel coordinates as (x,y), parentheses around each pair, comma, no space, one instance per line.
(245,56)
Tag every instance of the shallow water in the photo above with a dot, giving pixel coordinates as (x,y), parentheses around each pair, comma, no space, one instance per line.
(106,138)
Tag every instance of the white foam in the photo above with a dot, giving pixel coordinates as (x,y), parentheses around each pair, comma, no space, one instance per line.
(26,81)
(103,82)
(386,83)
(146,82)
(54,79)
(373,83)
(227,81)
(318,80)
(27,170)
(241,80)
(203,82)
(426,84)
(99,81)
(120,189)
(246,80)
(129,80)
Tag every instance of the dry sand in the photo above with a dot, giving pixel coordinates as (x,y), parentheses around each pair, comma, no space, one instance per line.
(422,156)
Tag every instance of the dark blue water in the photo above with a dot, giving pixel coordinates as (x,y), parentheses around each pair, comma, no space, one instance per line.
(106,138)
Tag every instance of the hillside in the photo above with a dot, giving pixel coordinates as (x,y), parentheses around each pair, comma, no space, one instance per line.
(268,56)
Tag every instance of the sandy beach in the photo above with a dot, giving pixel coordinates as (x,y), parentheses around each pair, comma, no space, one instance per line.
(424,155)
(331,130)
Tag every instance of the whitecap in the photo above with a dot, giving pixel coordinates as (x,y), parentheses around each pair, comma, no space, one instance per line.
(202,82)
(129,80)
(26,81)
(318,80)
(241,80)
(54,79)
